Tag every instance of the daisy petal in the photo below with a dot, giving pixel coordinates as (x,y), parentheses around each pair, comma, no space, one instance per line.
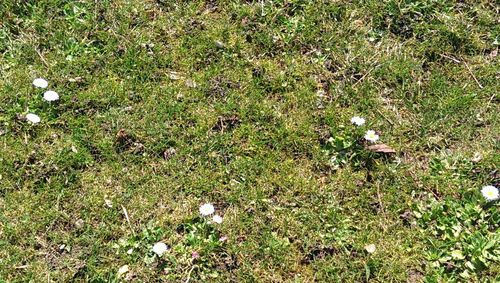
(40,83)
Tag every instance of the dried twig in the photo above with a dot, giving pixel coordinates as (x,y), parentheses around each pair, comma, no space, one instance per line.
(387,119)
(382,208)
(42,58)
(484,109)
(189,274)
(364,76)
(472,74)
(451,58)
(490,100)
(127,218)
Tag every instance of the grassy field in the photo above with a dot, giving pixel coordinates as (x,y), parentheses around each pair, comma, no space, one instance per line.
(247,105)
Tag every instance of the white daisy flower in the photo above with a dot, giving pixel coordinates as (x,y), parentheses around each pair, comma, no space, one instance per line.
(371,136)
(33,118)
(358,121)
(490,193)
(217,219)
(51,95)
(160,248)
(40,83)
(207,209)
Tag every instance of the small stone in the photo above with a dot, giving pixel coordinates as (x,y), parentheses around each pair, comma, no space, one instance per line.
(79,223)
(370,248)
(190,83)
(174,76)
(75,80)
(494,53)
(477,157)
(108,203)
(219,44)
(168,153)
(122,270)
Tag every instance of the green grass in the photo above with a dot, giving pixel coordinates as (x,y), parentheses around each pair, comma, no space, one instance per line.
(166,105)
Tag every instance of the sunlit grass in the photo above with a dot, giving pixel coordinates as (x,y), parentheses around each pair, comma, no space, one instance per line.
(249,141)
